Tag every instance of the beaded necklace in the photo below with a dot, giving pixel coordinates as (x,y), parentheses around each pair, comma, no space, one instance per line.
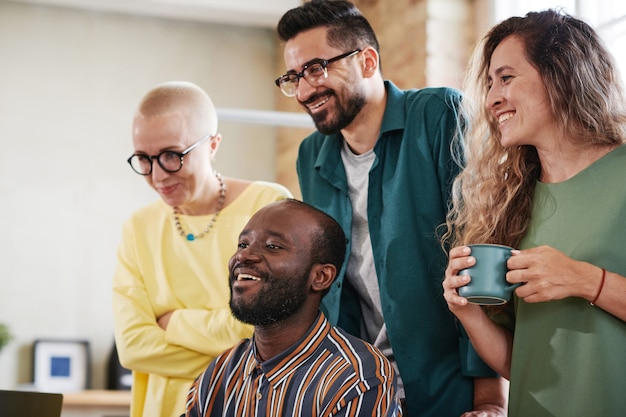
(220,204)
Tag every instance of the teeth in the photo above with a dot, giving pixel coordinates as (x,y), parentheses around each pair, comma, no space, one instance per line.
(319,104)
(504,117)
(246,277)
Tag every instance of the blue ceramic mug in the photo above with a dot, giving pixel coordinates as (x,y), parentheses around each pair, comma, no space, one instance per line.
(488,285)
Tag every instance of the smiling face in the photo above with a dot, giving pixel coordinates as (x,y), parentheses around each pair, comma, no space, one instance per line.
(335,103)
(271,271)
(517,98)
(172,116)
(171,131)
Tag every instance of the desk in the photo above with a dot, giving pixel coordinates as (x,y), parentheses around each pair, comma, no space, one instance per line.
(96,403)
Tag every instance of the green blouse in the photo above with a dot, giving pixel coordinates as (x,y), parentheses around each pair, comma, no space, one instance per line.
(569,358)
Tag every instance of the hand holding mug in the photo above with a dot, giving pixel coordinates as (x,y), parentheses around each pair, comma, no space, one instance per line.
(488,285)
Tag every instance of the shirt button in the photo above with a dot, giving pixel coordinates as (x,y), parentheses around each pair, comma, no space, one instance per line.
(259,395)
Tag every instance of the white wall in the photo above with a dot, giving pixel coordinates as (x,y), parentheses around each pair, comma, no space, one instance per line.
(69,83)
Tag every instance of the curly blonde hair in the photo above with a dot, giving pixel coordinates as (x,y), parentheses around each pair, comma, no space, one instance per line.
(492,197)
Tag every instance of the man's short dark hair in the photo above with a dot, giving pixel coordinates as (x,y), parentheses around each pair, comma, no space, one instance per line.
(347,27)
(328,244)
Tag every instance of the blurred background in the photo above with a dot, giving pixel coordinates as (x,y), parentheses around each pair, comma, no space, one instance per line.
(71,75)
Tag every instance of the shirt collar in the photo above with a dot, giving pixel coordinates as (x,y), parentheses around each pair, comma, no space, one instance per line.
(394,118)
(288,361)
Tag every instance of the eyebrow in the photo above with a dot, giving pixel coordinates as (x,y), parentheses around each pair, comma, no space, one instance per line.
(503,68)
(306,64)
(313,61)
(173,148)
(269,233)
(499,71)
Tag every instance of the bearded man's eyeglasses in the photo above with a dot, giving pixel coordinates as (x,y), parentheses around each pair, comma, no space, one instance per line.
(315,73)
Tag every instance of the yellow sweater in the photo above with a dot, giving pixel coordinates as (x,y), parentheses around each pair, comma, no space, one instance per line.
(159,271)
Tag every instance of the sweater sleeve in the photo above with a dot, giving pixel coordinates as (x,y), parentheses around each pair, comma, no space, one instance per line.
(185,349)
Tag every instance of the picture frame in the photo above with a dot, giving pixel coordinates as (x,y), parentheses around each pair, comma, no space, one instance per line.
(61,365)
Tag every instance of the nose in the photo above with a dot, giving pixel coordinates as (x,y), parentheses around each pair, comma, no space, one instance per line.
(158,173)
(494,97)
(304,90)
(247,254)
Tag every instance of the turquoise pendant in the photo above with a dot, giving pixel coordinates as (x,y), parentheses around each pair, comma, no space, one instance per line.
(190,237)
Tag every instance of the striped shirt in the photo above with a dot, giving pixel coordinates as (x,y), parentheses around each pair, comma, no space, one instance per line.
(327,373)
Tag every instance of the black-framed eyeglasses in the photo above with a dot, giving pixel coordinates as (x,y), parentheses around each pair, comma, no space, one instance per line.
(315,73)
(169,161)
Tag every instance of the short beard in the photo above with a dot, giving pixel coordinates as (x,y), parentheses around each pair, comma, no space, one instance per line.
(278,302)
(344,114)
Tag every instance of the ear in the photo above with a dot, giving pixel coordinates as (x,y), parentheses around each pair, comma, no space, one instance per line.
(322,276)
(215,144)
(370,61)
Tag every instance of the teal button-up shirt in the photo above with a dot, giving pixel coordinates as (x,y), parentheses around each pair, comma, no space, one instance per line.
(409,189)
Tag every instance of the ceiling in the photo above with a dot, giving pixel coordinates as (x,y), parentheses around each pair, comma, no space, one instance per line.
(261,13)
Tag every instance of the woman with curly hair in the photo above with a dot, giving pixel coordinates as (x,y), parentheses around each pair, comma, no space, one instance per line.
(546,173)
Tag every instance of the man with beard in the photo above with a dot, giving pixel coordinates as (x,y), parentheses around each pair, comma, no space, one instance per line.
(296,363)
(380,163)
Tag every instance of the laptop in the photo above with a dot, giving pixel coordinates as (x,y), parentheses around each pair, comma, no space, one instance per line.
(30,404)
